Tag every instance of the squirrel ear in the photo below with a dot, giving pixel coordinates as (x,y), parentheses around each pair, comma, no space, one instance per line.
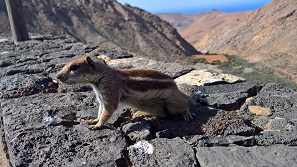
(94,61)
(90,61)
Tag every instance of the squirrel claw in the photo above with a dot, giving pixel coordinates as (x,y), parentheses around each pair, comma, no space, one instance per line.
(188,116)
(94,127)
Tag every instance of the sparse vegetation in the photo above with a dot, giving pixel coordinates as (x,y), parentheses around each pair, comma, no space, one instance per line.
(199,60)
(236,65)
(213,59)
(216,62)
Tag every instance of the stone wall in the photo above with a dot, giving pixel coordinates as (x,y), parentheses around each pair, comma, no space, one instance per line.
(40,120)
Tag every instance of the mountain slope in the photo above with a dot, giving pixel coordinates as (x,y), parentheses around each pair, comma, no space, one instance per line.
(106,23)
(193,27)
(208,22)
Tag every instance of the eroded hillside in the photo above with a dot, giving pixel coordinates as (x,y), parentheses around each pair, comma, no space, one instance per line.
(106,23)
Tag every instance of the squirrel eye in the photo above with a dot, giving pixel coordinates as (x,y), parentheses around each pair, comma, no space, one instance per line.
(73,67)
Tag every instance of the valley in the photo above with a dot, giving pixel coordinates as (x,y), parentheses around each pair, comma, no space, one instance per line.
(265,37)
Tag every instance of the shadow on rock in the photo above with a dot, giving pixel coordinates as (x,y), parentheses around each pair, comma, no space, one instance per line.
(208,122)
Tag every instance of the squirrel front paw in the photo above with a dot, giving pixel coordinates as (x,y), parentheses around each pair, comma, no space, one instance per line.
(90,121)
(95,127)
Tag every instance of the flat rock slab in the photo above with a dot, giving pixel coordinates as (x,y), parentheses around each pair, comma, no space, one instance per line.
(162,152)
(268,138)
(39,55)
(272,156)
(65,146)
(203,77)
(29,67)
(229,96)
(26,84)
(249,87)
(210,141)
(223,96)
(44,129)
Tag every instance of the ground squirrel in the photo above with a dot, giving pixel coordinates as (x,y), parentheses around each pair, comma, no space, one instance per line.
(151,92)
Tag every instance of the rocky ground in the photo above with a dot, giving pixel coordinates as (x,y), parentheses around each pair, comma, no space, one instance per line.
(238,123)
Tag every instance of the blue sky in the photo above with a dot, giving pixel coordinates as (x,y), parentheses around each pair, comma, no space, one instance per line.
(193,6)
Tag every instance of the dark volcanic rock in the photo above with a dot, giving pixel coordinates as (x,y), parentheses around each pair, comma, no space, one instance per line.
(207,141)
(175,126)
(137,129)
(274,156)
(43,55)
(280,126)
(162,152)
(225,123)
(208,121)
(231,140)
(52,109)
(40,128)
(64,146)
(224,96)
(25,84)
(268,138)
(227,101)
(172,69)
(281,100)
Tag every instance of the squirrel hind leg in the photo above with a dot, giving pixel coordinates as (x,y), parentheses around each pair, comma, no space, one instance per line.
(178,104)
(152,110)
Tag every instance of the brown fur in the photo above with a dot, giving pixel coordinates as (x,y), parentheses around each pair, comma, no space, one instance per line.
(152,92)
(144,73)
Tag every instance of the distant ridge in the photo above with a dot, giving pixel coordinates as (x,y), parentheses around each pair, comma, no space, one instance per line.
(193,27)
(180,20)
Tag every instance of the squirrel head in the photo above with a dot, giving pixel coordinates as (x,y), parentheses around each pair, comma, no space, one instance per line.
(82,70)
